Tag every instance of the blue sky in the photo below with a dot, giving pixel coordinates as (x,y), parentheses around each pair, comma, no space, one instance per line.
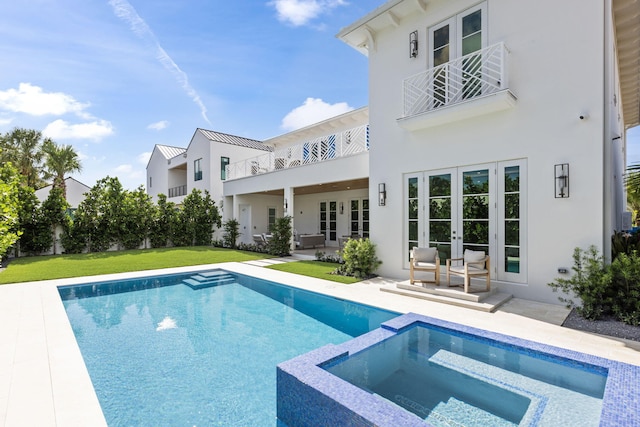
(114,77)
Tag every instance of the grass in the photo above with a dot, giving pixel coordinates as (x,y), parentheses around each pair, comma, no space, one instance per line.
(63,266)
(318,269)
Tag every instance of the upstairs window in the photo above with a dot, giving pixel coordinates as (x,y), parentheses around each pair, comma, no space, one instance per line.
(224,162)
(197,170)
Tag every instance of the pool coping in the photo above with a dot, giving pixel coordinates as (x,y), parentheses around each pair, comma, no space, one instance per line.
(41,365)
(308,393)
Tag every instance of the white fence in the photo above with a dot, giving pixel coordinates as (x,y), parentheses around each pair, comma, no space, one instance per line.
(479,73)
(347,143)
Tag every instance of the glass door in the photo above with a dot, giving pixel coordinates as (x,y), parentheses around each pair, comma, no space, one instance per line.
(329,220)
(441,52)
(475,223)
(441,219)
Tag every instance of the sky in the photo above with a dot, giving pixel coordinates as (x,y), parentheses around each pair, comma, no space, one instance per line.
(113,78)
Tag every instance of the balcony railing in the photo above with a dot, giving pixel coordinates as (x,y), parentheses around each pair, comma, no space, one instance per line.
(477,74)
(328,147)
(178,191)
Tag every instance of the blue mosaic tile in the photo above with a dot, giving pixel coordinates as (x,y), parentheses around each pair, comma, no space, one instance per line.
(308,395)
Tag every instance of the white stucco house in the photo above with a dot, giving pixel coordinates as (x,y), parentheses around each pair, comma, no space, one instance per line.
(175,171)
(494,125)
(75,192)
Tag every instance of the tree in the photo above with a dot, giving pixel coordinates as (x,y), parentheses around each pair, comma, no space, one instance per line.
(196,220)
(137,215)
(24,148)
(9,205)
(632,182)
(35,237)
(60,160)
(54,213)
(164,216)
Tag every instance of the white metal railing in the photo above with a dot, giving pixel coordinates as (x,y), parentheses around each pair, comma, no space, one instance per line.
(349,142)
(479,73)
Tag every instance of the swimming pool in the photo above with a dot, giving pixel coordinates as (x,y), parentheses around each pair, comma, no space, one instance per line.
(416,371)
(200,348)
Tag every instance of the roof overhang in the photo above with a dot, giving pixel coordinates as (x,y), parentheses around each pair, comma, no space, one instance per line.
(361,35)
(626,16)
(351,118)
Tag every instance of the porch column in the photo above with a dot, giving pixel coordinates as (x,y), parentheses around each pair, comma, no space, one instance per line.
(289,209)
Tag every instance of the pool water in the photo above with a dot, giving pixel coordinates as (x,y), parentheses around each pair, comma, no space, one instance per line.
(451,378)
(174,350)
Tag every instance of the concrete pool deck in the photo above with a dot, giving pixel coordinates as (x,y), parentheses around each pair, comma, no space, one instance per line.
(44,382)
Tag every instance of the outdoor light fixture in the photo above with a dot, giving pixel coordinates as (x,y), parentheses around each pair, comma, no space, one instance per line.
(341,208)
(286,205)
(382,194)
(562,180)
(413,44)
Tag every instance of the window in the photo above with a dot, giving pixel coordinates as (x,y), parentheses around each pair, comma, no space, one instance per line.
(272,219)
(197,170)
(359,218)
(452,43)
(224,162)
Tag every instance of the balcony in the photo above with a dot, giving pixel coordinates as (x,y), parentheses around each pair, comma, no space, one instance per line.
(347,143)
(473,85)
(178,191)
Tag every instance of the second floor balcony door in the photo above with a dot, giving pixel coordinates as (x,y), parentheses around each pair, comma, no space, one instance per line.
(457,37)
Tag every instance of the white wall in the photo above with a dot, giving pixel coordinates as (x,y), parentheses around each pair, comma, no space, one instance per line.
(556,73)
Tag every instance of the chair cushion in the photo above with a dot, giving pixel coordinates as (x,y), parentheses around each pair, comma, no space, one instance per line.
(421,264)
(471,270)
(424,254)
(473,256)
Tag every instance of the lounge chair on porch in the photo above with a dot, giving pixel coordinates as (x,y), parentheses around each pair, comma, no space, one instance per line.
(425,259)
(259,240)
(472,264)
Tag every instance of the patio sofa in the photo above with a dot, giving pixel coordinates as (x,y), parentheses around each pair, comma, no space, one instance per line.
(310,240)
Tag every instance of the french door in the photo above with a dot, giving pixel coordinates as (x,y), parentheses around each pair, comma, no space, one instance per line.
(457,37)
(479,207)
(329,220)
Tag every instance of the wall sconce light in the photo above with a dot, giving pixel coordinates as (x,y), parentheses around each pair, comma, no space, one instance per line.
(382,194)
(562,180)
(413,44)
(286,204)
(341,208)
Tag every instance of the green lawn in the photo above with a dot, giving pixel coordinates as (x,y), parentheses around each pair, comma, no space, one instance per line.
(62,266)
(321,270)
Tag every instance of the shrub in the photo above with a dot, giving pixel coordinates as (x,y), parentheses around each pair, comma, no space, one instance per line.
(280,243)
(360,259)
(624,243)
(590,282)
(625,292)
(335,258)
(231,233)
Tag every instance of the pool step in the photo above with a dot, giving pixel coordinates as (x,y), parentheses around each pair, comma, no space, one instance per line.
(208,279)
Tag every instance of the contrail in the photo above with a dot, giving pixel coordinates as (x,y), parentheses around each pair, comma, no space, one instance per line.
(126,12)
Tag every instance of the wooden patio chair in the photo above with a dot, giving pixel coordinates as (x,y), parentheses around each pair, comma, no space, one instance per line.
(425,259)
(472,264)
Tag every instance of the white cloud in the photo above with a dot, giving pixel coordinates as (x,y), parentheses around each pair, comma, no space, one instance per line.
(126,12)
(300,12)
(158,125)
(32,100)
(60,129)
(126,169)
(143,158)
(312,111)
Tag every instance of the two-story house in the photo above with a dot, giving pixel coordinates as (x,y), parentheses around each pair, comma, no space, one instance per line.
(175,171)
(499,125)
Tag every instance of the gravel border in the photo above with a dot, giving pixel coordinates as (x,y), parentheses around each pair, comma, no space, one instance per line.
(606,326)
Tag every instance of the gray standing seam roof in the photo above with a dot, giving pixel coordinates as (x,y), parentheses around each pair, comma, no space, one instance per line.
(170,152)
(234,140)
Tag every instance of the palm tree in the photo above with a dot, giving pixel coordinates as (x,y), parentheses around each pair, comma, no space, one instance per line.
(60,161)
(23,147)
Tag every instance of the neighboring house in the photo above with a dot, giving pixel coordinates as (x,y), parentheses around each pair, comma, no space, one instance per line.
(75,192)
(175,171)
(495,125)
(499,125)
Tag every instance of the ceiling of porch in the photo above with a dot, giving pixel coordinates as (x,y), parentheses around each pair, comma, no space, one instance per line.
(352,184)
